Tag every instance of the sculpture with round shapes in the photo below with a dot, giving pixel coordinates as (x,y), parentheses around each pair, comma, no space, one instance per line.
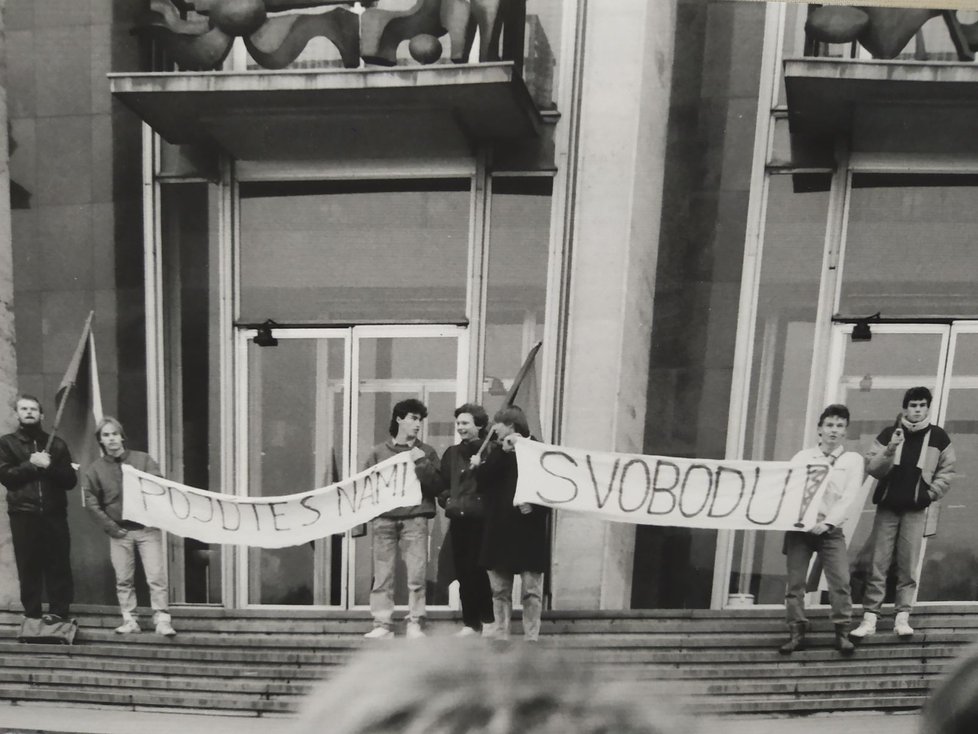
(425,48)
(238,17)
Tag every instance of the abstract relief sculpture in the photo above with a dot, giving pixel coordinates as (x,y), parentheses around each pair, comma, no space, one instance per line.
(275,41)
(885,32)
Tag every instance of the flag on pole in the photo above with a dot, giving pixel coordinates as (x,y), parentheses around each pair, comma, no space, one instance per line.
(79,400)
(525,385)
(525,391)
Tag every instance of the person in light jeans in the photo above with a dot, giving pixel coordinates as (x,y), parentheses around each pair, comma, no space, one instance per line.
(102,487)
(913,462)
(404,528)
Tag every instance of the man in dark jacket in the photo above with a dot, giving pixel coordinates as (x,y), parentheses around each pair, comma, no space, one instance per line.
(37,479)
(914,463)
(465,507)
(406,527)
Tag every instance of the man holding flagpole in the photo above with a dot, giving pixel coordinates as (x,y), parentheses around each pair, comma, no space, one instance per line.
(37,472)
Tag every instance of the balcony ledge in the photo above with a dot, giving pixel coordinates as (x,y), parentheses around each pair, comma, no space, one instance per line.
(256,115)
(825,95)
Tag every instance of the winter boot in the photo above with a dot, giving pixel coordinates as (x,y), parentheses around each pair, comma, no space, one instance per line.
(842,642)
(866,628)
(797,639)
(901,625)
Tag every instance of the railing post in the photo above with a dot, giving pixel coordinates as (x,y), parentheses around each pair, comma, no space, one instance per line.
(514,32)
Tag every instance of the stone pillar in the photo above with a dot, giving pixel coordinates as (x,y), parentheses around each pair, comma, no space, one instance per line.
(9,592)
(617,162)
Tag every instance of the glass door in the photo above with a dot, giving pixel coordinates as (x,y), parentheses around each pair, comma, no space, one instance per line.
(391,364)
(312,405)
(870,377)
(298,412)
(950,559)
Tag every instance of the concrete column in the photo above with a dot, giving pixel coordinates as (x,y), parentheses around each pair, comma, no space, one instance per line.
(617,162)
(9,590)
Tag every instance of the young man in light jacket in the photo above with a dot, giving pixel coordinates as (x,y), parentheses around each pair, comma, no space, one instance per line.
(914,463)
(102,485)
(826,538)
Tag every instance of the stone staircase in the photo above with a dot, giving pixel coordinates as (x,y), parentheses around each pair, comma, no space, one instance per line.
(262,662)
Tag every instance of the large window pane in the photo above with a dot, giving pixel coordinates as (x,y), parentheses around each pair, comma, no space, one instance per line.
(519,245)
(950,570)
(910,248)
(189,222)
(354,251)
(791,265)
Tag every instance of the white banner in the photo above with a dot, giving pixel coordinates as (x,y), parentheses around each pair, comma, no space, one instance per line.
(270,522)
(662,490)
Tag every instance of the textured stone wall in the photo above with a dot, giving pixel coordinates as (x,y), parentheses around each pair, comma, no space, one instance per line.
(8,355)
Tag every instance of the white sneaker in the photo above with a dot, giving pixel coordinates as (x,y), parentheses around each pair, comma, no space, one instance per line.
(165,628)
(379,633)
(901,625)
(866,628)
(414,631)
(489,630)
(466,632)
(128,626)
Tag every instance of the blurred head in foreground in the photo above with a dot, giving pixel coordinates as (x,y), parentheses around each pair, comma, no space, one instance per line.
(451,686)
(953,706)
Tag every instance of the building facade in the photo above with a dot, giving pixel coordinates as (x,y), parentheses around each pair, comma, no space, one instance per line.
(691,204)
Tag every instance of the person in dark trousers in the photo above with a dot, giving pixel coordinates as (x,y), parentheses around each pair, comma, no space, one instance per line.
(37,480)
(827,538)
(465,508)
(914,463)
(515,539)
(405,528)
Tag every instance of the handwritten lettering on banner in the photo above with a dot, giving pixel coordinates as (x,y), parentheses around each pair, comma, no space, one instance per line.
(270,522)
(663,490)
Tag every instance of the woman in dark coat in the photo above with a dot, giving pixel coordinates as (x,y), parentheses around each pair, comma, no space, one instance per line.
(515,540)
(465,509)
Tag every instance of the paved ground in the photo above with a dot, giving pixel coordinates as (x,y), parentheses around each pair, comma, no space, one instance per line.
(34,719)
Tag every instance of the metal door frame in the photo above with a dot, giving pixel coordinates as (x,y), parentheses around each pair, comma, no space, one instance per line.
(351,337)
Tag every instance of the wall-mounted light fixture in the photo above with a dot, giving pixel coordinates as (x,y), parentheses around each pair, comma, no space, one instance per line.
(264,336)
(861,331)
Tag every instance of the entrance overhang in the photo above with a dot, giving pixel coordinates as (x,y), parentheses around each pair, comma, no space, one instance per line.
(299,114)
(826,97)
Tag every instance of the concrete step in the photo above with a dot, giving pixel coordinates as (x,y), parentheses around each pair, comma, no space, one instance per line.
(264,661)
(123,696)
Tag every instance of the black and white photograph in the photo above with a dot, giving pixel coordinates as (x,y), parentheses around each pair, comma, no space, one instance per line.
(488,366)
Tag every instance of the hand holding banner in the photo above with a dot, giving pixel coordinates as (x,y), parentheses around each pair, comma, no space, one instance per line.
(663,490)
(270,522)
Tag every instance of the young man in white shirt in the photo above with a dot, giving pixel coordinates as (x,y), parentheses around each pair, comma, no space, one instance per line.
(826,538)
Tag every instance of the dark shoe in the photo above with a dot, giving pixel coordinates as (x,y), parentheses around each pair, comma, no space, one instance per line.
(52,619)
(797,639)
(842,642)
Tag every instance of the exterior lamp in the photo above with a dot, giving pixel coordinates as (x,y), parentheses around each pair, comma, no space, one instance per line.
(861,331)
(264,336)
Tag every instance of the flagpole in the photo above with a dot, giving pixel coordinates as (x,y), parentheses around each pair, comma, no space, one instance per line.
(70,383)
(513,389)
(57,417)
